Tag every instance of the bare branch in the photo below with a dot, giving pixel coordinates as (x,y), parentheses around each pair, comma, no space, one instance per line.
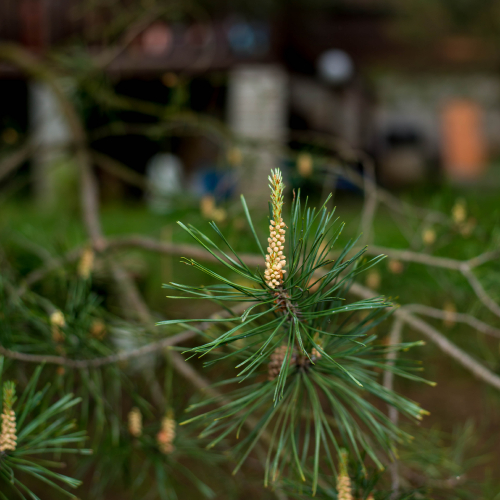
(394,338)
(190,251)
(12,162)
(97,362)
(448,347)
(420,258)
(457,317)
(118,169)
(483,258)
(444,344)
(132,303)
(371,200)
(107,56)
(481,292)
(464,266)
(48,267)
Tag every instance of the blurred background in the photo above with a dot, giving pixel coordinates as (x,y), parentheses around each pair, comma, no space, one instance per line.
(413,84)
(141,113)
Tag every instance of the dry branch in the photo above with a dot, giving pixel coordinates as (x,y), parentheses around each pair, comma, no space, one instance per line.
(394,338)
(454,316)
(448,347)
(98,362)
(12,162)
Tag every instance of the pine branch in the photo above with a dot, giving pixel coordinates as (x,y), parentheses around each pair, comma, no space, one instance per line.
(448,347)
(304,351)
(31,429)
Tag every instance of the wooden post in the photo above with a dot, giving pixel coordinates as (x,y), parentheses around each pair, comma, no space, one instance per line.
(49,131)
(257,111)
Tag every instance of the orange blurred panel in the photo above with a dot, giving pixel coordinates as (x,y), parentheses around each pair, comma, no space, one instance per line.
(463,141)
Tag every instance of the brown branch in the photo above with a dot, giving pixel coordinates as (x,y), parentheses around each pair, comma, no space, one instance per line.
(49,266)
(388,382)
(191,251)
(98,362)
(483,258)
(132,303)
(371,200)
(431,260)
(118,169)
(448,347)
(107,56)
(445,345)
(255,260)
(481,292)
(420,258)
(132,241)
(12,162)
(463,266)
(454,316)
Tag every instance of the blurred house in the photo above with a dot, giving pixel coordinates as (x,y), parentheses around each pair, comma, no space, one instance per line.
(337,69)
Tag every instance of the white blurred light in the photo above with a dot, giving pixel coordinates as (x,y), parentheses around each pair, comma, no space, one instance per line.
(335,66)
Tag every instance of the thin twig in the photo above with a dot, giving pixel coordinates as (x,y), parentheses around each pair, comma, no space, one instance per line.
(483,258)
(370,204)
(191,251)
(454,316)
(98,362)
(394,339)
(120,170)
(448,347)
(107,56)
(481,292)
(49,266)
(420,258)
(464,266)
(12,162)
(132,304)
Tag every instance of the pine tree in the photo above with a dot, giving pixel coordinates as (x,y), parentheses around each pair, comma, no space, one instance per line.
(306,357)
(31,432)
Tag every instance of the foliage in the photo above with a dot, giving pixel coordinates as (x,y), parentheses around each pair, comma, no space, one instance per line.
(137,465)
(303,387)
(43,430)
(330,357)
